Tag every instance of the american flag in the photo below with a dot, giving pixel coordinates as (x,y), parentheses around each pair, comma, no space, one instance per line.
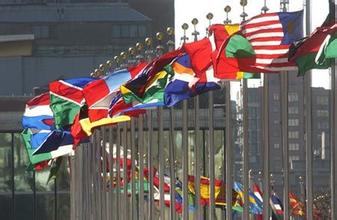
(271,35)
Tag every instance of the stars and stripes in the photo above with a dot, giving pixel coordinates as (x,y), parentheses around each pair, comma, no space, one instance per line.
(271,35)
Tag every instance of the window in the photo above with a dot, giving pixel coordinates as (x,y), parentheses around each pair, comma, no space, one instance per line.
(276,96)
(41,32)
(294,158)
(293,97)
(294,146)
(293,122)
(141,30)
(323,125)
(293,134)
(276,146)
(322,113)
(125,31)
(322,100)
(293,110)
(133,31)
(116,31)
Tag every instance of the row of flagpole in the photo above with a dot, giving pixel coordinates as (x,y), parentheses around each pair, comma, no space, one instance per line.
(121,139)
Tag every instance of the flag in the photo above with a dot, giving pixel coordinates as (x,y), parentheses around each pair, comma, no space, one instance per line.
(153,92)
(44,141)
(38,114)
(66,99)
(204,188)
(255,205)
(276,204)
(184,83)
(258,194)
(179,195)
(271,34)
(315,51)
(99,94)
(233,54)
(88,126)
(29,140)
(40,135)
(137,86)
(297,207)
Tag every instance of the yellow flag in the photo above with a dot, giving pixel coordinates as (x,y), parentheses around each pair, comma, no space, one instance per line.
(87,126)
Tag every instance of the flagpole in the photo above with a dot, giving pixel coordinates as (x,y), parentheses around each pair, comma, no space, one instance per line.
(265,136)
(197,146)
(308,112)
(245,125)
(284,130)
(333,127)
(211,154)
(170,44)
(185,145)
(229,151)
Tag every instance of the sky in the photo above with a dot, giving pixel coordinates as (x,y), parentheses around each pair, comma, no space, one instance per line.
(186,10)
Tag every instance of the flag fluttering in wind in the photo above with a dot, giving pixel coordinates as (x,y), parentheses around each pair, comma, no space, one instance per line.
(99,94)
(255,205)
(276,204)
(66,99)
(271,34)
(296,206)
(184,83)
(316,51)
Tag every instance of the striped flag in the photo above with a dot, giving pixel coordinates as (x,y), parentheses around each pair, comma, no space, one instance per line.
(271,35)
(276,204)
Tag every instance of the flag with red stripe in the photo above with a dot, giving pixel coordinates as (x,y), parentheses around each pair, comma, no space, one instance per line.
(271,35)
(66,99)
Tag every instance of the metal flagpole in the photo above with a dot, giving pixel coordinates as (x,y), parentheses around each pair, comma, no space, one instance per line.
(265,125)
(333,133)
(265,129)
(196,162)
(170,44)
(284,131)
(245,136)
(229,151)
(211,154)
(333,156)
(150,164)
(118,169)
(133,170)
(159,52)
(196,141)
(161,161)
(140,134)
(185,147)
(308,132)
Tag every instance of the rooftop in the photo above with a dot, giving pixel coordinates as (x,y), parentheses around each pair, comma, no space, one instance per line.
(58,12)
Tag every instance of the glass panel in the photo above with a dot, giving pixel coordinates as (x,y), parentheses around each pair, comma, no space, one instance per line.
(5,175)
(5,162)
(125,32)
(141,30)
(116,31)
(63,205)
(133,31)
(23,180)
(45,205)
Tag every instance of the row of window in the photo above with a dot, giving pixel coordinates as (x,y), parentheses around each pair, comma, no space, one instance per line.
(117,31)
(293,97)
(292,146)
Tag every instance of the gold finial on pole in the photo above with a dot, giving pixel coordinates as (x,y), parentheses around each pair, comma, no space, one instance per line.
(227,10)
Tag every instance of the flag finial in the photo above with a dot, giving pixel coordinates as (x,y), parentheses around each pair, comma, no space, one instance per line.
(227,10)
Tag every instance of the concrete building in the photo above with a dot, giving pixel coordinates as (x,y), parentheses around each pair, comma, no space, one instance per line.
(63,39)
(296,128)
